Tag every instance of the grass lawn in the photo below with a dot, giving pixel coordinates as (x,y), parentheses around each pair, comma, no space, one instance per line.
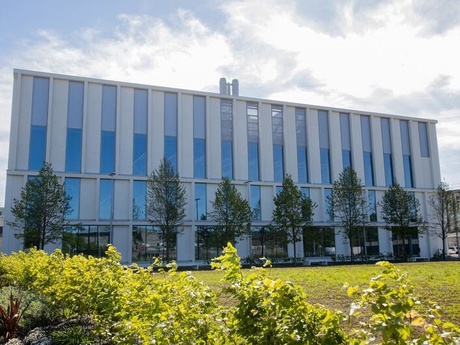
(437,282)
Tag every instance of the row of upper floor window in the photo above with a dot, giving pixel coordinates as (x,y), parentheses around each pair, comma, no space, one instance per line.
(140,149)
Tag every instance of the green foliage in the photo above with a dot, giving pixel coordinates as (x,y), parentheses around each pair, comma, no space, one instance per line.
(293,212)
(268,311)
(347,205)
(401,213)
(396,313)
(39,215)
(10,316)
(163,306)
(166,200)
(231,212)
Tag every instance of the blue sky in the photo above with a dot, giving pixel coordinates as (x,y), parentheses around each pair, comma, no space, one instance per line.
(391,56)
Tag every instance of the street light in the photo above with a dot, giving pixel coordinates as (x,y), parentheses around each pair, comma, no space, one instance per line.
(196,207)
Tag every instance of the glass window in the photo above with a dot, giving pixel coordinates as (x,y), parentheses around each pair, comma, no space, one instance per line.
(405,144)
(227,159)
(107,152)
(345,137)
(301,136)
(171,151)
(305,191)
(140,133)
(109,112)
(367,150)
(39,121)
(199,135)
(368,168)
(170,109)
(199,158)
(72,189)
(423,138)
(37,147)
(255,202)
(88,240)
(74,127)
(252,113)
(200,201)
(73,150)
(226,127)
(372,205)
(387,157)
(325,166)
(327,195)
(388,166)
(148,244)
(253,164)
(278,162)
(105,199)
(139,200)
(323,122)
(318,241)
(277,133)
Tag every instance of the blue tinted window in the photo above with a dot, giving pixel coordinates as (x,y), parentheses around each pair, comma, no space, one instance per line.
(40,97)
(305,191)
(256,203)
(200,201)
(105,199)
(140,133)
(346,158)
(72,189)
(171,151)
(302,167)
(37,147)
(73,150)
(139,199)
(423,138)
(325,166)
(368,169)
(170,104)
(199,158)
(327,195)
(407,171)
(388,166)
(372,206)
(227,159)
(278,189)
(278,162)
(253,161)
(75,105)
(140,154)
(107,152)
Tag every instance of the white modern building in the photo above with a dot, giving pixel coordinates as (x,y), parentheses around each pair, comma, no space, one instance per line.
(104,138)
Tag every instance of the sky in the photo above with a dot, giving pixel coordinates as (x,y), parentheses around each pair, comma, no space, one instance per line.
(391,56)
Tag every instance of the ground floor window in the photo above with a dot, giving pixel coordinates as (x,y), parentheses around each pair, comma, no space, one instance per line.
(318,241)
(208,243)
(406,242)
(268,242)
(88,240)
(149,243)
(367,241)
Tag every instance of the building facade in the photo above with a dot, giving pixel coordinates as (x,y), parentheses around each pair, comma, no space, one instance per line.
(104,138)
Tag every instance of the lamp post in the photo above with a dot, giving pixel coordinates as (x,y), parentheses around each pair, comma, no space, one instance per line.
(112,200)
(196,207)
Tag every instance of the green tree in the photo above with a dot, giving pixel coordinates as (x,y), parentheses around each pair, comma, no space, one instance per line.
(293,212)
(166,200)
(40,213)
(231,212)
(442,204)
(347,205)
(400,211)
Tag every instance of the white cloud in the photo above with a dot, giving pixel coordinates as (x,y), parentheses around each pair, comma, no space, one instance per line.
(383,56)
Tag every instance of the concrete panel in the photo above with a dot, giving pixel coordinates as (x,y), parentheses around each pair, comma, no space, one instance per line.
(396,148)
(357,146)
(314,162)
(156,123)
(122,238)
(92,129)
(240,141)
(335,145)
(125,130)
(290,143)
(89,199)
(57,125)
(377,151)
(185,135)
(122,203)
(265,143)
